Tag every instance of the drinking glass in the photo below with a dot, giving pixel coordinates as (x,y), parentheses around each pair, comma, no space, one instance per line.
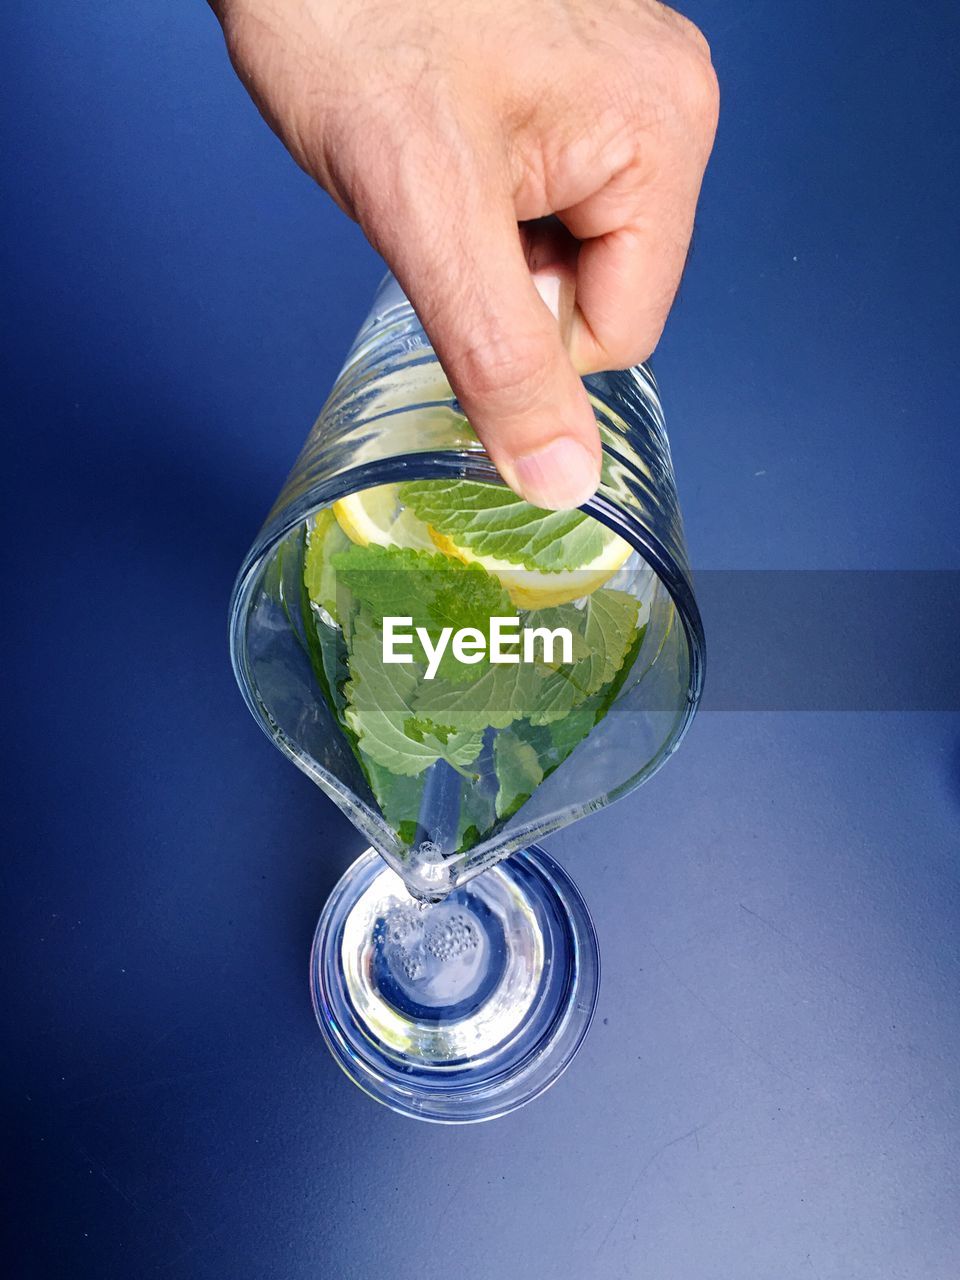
(448,983)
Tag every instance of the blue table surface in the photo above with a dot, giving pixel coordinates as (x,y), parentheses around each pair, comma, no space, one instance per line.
(770,1087)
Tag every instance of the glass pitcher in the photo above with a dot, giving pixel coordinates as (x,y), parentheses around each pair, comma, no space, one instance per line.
(447,994)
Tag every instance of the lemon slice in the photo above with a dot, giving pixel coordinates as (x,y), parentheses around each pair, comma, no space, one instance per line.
(376,516)
(535,589)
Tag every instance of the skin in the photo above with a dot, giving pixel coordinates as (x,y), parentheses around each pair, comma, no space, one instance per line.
(529,169)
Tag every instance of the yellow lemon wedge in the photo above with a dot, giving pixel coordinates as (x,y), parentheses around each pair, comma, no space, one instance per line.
(535,589)
(376,516)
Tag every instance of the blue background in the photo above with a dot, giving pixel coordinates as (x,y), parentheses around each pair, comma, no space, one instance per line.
(770,1088)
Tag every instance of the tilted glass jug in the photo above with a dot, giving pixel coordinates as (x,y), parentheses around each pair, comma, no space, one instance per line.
(463,674)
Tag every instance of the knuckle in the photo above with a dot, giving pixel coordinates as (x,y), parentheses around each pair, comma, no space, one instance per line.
(670,86)
(694,36)
(704,93)
(695,80)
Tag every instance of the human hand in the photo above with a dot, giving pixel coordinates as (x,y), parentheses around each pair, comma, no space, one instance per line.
(440,125)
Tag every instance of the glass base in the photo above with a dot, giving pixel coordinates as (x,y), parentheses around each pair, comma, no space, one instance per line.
(461,1010)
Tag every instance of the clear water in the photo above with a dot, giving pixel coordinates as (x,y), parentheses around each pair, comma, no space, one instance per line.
(448,760)
(592,729)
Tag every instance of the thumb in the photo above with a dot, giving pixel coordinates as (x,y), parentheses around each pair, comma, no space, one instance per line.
(499,344)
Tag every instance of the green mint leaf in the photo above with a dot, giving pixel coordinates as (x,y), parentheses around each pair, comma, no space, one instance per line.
(478,814)
(491,521)
(497,697)
(380,706)
(519,771)
(603,629)
(560,615)
(569,732)
(606,627)
(433,590)
(333,657)
(384,580)
(555,741)
(458,749)
(606,697)
(398,797)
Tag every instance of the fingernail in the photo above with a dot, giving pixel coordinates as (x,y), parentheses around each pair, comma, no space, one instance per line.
(558,476)
(557,293)
(548,287)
